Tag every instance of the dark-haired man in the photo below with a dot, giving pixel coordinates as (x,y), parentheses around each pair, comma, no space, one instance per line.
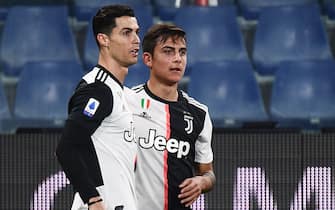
(97,150)
(173,130)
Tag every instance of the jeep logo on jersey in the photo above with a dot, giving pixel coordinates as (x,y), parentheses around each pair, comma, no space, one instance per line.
(160,143)
(189,121)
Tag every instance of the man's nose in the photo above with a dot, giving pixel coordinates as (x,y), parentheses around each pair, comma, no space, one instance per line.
(137,39)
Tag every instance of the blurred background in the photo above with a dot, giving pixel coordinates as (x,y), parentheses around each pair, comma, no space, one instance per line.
(250,61)
(265,68)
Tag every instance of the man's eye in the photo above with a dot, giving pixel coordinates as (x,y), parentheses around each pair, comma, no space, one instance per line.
(127,33)
(168,51)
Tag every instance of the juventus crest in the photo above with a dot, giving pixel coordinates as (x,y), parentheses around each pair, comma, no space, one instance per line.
(189,122)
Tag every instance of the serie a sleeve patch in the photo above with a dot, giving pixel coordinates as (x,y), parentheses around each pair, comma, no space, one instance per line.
(91,107)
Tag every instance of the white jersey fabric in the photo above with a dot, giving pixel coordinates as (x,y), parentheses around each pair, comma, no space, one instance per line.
(99,106)
(171,137)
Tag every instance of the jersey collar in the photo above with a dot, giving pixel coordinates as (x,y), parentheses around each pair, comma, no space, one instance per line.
(109,74)
(152,95)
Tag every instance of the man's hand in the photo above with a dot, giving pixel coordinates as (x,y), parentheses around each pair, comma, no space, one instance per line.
(190,190)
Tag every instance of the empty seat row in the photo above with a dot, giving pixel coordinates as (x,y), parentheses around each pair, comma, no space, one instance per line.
(303,94)
(48,36)
(283,33)
(36,34)
(44,89)
(42,94)
(166,9)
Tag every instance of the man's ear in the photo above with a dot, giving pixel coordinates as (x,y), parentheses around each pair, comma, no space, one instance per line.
(147,59)
(103,40)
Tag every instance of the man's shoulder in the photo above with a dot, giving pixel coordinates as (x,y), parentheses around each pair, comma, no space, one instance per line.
(192,101)
(133,91)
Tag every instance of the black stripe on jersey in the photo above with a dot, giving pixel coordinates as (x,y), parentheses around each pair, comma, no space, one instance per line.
(138,88)
(181,168)
(103,75)
(193,101)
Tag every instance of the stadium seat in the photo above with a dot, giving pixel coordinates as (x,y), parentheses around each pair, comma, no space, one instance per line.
(5,5)
(329,6)
(3,13)
(43,91)
(303,94)
(36,33)
(230,90)
(145,20)
(250,9)
(83,9)
(137,74)
(289,33)
(213,36)
(167,9)
(5,115)
(4,109)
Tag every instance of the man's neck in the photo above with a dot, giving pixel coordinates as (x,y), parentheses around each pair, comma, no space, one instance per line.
(166,92)
(112,66)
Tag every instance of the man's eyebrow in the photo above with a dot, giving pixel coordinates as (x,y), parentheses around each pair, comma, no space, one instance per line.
(126,29)
(168,47)
(173,48)
(129,29)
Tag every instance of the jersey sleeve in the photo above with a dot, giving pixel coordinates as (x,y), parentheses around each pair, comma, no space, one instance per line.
(203,148)
(88,107)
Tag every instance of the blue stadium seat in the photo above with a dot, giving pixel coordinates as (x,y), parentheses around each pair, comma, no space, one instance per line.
(5,5)
(213,34)
(4,109)
(289,33)
(43,91)
(6,124)
(83,9)
(230,90)
(36,33)
(145,20)
(3,13)
(329,6)
(250,9)
(303,94)
(137,74)
(167,9)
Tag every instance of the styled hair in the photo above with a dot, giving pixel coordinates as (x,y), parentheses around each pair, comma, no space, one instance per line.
(104,20)
(161,33)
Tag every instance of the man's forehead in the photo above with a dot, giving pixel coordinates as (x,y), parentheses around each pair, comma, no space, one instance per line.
(173,42)
(126,22)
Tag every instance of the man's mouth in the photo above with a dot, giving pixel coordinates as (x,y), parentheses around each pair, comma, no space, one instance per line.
(134,52)
(175,69)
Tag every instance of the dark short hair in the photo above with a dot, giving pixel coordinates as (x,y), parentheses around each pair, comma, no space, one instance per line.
(160,33)
(104,20)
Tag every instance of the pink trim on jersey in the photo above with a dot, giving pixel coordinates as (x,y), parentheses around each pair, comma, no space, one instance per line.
(166,184)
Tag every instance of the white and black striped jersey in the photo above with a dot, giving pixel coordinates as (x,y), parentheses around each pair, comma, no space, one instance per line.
(171,137)
(97,150)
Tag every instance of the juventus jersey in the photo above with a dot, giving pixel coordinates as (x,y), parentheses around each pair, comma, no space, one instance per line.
(171,137)
(97,150)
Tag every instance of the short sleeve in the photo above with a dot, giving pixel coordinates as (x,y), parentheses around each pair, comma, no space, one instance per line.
(203,147)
